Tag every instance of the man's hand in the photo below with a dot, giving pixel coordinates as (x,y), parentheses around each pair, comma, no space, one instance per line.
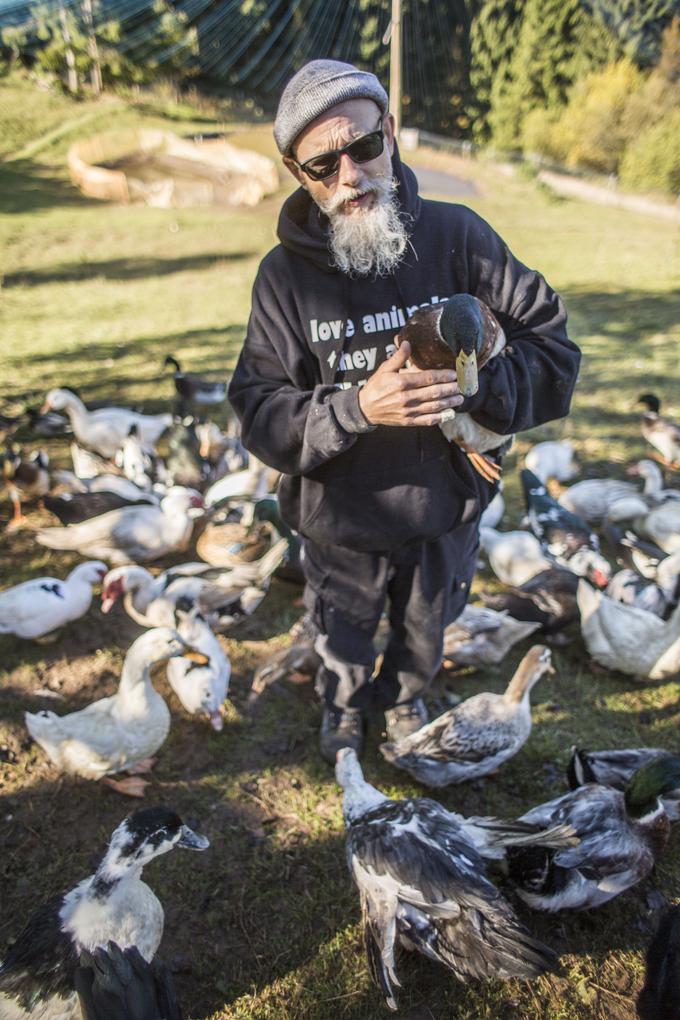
(393,396)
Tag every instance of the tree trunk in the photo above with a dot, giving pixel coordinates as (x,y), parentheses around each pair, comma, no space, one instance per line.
(92,49)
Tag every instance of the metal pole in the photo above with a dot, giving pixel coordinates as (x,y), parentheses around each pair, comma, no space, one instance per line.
(395,66)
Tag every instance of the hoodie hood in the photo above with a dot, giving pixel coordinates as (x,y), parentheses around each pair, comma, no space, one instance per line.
(303,227)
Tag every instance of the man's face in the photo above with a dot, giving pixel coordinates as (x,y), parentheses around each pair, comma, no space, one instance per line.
(366,235)
(349,190)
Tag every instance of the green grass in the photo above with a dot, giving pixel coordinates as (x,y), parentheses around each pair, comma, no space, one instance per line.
(264,924)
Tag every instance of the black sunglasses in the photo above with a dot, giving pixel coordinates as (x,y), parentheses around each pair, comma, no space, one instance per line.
(361,150)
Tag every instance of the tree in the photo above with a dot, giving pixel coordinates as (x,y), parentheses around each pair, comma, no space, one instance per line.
(493,37)
(638,24)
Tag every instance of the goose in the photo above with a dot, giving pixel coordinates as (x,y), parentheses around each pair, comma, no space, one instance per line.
(598,498)
(482,637)
(564,536)
(461,333)
(120,733)
(135,534)
(222,595)
(423,886)
(37,976)
(192,388)
(659,998)
(105,429)
(514,556)
(202,688)
(478,735)
(42,605)
(25,478)
(628,639)
(616,768)
(118,984)
(547,599)
(661,525)
(552,459)
(621,837)
(662,433)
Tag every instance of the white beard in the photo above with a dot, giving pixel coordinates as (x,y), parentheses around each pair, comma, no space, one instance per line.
(367,242)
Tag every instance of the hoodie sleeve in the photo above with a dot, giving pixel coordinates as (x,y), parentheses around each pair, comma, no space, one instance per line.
(288,421)
(532,380)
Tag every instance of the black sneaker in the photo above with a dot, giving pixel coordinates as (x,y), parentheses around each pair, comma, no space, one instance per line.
(403,720)
(340,727)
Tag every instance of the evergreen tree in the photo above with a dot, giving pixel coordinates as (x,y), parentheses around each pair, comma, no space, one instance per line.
(493,37)
(638,24)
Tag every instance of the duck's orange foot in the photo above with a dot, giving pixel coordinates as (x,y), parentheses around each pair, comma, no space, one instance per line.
(131,787)
(487,468)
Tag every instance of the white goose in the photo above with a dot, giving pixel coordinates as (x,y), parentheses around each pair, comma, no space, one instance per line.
(514,556)
(40,606)
(105,429)
(552,460)
(134,534)
(628,639)
(112,905)
(483,637)
(120,733)
(201,688)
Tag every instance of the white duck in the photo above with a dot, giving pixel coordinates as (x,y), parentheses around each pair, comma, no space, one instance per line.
(652,476)
(112,905)
(514,556)
(201,688)
(628,639)
(478,735)
(598,498)
(134,534)
(552,460)
(493,515)
(253,481)
(483,637)
(134,461)
(120,733)
(105,429)
(40,606)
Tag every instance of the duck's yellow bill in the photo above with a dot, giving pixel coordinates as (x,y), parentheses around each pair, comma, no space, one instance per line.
(466,370)
(194,655)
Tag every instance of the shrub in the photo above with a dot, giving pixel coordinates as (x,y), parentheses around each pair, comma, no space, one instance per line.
(652,161)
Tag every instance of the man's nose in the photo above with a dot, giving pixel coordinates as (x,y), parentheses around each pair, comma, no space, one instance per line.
(349,173)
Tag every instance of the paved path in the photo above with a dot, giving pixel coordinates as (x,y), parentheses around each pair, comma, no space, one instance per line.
(442,184)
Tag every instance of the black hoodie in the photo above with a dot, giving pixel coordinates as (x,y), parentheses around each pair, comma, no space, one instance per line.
(315,333)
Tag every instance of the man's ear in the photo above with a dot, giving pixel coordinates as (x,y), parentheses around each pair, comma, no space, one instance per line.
(388,128)
(291,165)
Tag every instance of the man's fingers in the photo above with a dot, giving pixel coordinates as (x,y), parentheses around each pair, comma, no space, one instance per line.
(435,406)
(426,419)
(397,360)
(433,377)
(431,394)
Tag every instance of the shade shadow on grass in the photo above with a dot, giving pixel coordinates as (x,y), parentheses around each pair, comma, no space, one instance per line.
(26,186)
(120,269)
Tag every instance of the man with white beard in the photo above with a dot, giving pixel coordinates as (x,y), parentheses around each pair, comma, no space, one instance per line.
(388,509)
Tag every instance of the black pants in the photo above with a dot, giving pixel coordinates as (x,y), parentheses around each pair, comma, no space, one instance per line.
(426,585)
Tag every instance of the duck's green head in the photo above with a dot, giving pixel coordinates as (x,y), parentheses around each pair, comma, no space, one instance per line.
(650,782)
(462,326)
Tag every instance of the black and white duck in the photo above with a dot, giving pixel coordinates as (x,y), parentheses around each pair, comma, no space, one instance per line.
(423,886)
(547,599)
(622,835)
(119,984)
(36,608)
(565,536)
(632,589)
(476,736)
(120,733)
(25,478)
(133,534)
(193,389)
(616,768)
(463,334)
(661,433)
(75,507)
(659,998)
(112,905)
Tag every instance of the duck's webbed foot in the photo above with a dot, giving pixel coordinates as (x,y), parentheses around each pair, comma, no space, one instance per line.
(141,767)
(487,468)
(133,786)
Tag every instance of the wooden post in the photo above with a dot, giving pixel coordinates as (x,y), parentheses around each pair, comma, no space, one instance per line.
(92,49)
(395,66)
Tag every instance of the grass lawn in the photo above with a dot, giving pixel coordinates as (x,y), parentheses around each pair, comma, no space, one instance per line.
(265,924)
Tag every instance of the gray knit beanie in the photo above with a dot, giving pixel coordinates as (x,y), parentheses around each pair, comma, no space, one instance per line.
(317,87)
